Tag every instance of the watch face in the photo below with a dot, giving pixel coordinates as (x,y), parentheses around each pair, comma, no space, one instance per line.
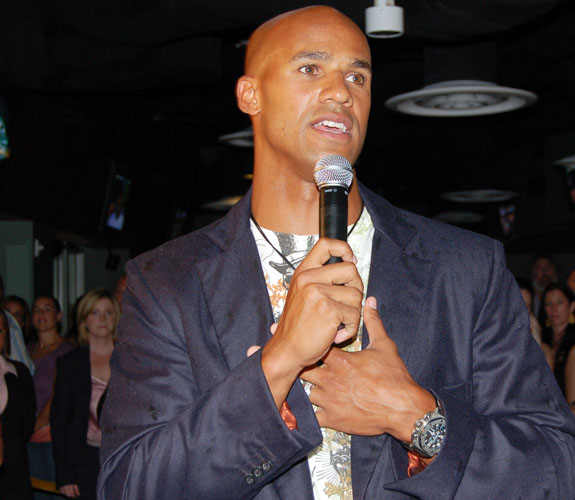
(433,435)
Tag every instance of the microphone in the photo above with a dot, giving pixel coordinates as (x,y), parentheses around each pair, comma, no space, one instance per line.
(333,176)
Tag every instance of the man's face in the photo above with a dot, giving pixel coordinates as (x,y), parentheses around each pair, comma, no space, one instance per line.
(314,91)
(544,272)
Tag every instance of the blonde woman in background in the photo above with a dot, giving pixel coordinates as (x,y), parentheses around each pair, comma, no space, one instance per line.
(82,378)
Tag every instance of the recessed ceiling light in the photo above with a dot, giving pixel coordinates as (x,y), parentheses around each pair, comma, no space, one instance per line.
(461,98)
(479,196)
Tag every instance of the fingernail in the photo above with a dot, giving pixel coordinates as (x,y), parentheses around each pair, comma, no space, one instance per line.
(371,302)
(354,259)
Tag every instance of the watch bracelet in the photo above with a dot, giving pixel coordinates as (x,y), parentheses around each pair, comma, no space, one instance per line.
(420,425)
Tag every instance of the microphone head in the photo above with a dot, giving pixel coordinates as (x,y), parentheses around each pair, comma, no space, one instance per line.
(333,170)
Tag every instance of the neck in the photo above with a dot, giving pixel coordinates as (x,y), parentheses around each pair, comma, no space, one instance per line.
(104,345)
(289,205)
(48,337)
(559,329)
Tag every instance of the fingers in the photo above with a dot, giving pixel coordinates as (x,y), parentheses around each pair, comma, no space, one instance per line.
(345,334)
(252,350)
(321,417)
(70,490)
(324,249)
(373,323)
(315,308)
(342,273)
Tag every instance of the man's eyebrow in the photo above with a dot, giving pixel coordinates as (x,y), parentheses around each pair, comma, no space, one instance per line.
(326,56)
(362,64)
(314,55)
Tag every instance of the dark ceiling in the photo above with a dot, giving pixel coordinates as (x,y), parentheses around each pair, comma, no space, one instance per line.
(148,87)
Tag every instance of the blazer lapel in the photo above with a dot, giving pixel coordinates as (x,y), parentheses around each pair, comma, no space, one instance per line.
(398,279)
(239,304)
(235,288)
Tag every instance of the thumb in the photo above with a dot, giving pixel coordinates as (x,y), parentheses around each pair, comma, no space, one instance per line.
(373,322)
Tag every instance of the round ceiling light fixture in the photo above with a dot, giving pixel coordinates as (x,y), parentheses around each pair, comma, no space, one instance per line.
(480,196)
(458,98)
(567,163)
(243,138)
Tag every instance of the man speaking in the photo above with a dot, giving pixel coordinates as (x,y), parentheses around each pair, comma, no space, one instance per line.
(406,370)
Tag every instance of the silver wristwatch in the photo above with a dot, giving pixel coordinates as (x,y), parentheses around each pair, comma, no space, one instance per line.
(429,433)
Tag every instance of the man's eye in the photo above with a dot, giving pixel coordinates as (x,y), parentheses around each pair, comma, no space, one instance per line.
(308,69)
(356,78)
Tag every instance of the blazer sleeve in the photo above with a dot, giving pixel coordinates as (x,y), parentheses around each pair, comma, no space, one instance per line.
(61,414)
(510,433)
(165,434)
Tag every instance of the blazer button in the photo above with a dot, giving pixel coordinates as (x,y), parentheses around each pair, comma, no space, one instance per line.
(257,472)
(266,466)
(249,479)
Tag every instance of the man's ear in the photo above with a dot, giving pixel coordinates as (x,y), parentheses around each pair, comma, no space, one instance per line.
(246,95)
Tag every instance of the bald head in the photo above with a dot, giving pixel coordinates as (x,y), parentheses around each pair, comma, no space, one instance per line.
(307,90)
(278,31)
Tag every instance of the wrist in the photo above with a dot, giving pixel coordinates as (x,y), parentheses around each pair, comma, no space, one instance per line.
(404,421)
(280,374)
(428,433)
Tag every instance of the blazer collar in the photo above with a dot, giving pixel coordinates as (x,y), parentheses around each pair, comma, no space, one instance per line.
(386,218)
(234,228)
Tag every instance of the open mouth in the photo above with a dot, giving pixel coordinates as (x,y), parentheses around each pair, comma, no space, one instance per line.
(331,126)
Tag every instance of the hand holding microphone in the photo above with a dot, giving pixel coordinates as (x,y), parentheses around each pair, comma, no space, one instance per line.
(318,312)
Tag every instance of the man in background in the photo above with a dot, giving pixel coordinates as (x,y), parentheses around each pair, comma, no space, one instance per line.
(543,272)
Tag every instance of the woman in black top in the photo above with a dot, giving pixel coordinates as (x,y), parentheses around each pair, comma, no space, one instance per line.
(17,417)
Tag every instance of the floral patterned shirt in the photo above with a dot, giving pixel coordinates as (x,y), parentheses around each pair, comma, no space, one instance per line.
(329,463)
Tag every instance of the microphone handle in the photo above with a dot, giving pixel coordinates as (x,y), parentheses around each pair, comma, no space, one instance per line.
(333,215)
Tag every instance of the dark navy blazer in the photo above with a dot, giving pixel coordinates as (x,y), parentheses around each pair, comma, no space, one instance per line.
(69,416)
(189,416)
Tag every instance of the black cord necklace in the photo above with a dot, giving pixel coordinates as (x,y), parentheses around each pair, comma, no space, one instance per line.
(285,259)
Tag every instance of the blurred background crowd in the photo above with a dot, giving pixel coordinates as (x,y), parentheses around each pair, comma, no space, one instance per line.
(53,382)
(52,387)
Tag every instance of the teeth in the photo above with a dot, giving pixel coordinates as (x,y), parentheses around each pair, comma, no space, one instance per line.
(329,123)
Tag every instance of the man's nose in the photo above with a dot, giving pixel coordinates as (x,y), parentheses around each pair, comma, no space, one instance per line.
(336,89)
